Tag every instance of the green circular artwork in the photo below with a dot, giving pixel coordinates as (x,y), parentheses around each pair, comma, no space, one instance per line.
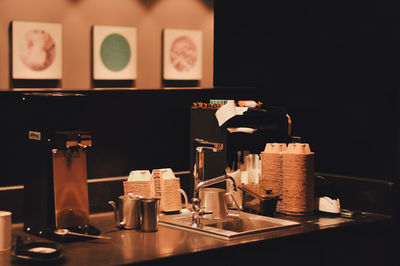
(115,52)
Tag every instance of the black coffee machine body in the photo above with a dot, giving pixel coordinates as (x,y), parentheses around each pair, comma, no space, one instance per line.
(269,124)
(55,182)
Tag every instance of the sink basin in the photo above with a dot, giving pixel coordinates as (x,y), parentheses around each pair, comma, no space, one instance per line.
(230,227)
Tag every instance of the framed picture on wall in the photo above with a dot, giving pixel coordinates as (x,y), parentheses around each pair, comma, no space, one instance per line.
(182,54)
(36,50)
(114,53)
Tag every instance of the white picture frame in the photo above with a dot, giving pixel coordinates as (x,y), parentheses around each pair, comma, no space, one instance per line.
(36,50)
(182,54)
(114,52)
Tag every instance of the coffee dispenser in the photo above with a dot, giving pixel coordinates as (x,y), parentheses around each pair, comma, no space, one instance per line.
(56,194)
(53,155)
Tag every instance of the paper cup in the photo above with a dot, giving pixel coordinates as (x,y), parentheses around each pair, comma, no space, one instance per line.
(5,230)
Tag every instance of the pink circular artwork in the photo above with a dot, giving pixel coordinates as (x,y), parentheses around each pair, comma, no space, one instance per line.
(183,54)
(38,50)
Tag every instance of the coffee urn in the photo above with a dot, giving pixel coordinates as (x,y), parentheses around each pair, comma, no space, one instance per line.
(56,194)
(54,158)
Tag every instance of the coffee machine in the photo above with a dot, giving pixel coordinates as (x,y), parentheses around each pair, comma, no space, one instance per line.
(55,186)
(55,193)
(267,124)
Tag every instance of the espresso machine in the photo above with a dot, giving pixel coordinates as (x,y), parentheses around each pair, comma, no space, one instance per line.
(267,124)
(55,186)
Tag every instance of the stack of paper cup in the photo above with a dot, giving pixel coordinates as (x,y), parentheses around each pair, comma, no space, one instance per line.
(297,180)
(271,168)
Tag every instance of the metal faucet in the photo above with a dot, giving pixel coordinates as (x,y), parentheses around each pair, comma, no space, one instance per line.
(198,171)
(198,212)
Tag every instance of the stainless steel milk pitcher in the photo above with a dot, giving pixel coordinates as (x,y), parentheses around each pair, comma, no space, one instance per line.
(127,215)
(149,210)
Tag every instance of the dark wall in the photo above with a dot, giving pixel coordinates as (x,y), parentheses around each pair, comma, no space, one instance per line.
(235,43)
(353,132)
(334,67)
(133,129)
(331,65)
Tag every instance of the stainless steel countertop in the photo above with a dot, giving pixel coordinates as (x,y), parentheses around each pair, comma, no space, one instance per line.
(132,246)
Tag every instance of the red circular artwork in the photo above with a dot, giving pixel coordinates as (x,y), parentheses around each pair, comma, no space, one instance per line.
(38,50)
(183,54)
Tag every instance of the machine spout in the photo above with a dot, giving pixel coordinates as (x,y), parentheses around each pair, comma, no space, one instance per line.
(203,144)
(198,171)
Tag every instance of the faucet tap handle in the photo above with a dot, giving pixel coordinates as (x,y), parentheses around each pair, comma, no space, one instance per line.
(196,205)
(197,213)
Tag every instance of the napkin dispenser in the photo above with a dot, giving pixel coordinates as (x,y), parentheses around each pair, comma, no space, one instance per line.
(55,190)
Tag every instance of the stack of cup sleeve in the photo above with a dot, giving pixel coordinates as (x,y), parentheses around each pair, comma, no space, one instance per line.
(170,195)
(161,183)
(139,188)
(139,183)
(289,171)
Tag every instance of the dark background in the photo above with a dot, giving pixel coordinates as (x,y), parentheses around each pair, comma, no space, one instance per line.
(332,66)
(140,129)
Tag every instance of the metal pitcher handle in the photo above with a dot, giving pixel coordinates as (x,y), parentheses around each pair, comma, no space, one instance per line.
(234,201)
(118,223)
(185,197)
